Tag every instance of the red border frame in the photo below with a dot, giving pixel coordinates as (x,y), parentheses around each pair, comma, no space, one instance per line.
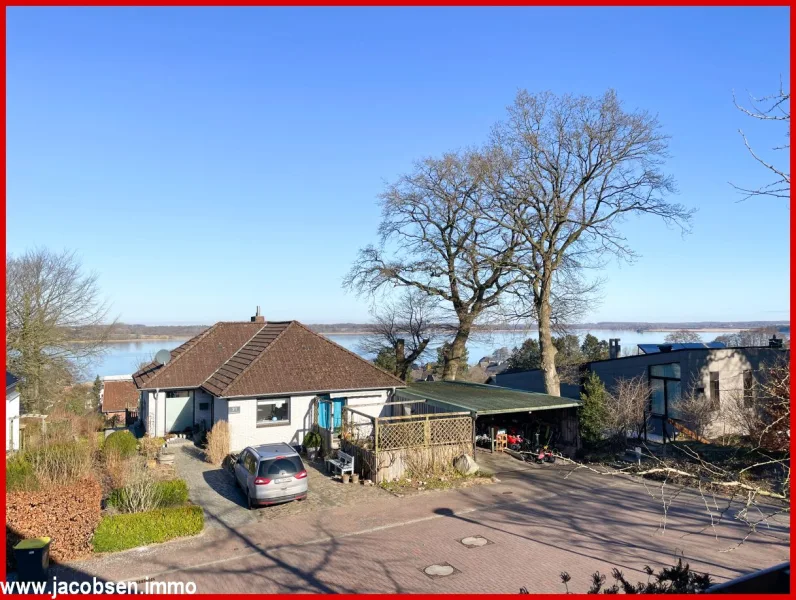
(317,3)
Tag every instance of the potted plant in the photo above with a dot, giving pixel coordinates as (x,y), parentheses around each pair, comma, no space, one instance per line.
(312,442)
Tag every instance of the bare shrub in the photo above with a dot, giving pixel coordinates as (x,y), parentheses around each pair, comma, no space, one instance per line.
(117,467)
(761,412)
(62,462)
(150,446)
(697,411)
(217,443)
(626,408)
(141,491)
(433,462)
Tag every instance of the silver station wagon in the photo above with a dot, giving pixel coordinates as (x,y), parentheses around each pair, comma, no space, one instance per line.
(270,474)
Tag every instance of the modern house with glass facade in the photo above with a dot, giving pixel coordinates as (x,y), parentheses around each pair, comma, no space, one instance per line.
(717,373)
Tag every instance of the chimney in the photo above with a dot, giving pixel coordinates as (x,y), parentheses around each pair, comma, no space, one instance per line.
(665,347)
(258,318)
(613,348)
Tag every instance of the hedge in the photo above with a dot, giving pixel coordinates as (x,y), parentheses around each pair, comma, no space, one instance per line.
(68,514)
(122,442)
(121,532)
(172,493)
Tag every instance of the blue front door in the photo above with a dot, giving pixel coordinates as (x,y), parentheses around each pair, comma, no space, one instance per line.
(323,414)
(338,412)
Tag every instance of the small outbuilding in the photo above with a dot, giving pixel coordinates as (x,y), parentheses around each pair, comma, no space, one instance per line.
(553,418)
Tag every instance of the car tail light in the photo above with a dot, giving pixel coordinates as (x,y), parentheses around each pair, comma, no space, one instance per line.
(300,475)
(261,481)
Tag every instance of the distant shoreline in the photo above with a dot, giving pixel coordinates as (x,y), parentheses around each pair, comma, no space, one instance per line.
(154,338)
(169,338)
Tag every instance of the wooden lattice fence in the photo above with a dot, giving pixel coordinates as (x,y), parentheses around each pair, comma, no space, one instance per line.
(387,446)
(423,431)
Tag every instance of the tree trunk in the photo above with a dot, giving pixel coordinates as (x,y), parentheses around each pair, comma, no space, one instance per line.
(400,359)
(552,384)
(455,353)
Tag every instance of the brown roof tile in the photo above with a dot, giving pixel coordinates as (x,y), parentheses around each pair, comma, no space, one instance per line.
(300,360)
(119,395)
(198,358)
(253,359)
(230,370)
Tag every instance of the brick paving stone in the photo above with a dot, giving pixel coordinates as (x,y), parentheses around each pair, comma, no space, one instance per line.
(554,520)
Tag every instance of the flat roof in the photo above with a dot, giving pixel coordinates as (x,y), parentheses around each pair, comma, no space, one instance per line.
(484,399)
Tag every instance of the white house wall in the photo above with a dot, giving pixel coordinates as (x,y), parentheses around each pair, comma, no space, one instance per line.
(153,411)
(358,399)
(12,421)
(243,424)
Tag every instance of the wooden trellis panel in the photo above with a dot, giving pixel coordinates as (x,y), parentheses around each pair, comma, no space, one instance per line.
(423,432)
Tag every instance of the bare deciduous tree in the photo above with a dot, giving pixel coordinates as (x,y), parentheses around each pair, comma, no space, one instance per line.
(404,326)
(627,408)
(435,238)
(48,298)
(682,336)
(775,107)
(565,171)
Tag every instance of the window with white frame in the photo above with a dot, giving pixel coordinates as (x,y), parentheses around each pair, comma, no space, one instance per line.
(273,411)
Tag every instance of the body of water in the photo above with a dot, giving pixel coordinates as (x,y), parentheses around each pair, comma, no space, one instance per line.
(123,358)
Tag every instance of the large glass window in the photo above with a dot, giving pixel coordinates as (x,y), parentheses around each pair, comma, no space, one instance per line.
(658,396)
(665,386)
(671,371)
(273,411)
(673,398)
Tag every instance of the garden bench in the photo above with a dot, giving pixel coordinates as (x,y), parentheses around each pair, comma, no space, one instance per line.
(343,463)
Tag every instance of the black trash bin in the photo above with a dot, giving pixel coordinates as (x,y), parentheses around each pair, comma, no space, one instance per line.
(33,559)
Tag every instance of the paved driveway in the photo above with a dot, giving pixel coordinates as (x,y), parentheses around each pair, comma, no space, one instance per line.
(214,489)
(537,522)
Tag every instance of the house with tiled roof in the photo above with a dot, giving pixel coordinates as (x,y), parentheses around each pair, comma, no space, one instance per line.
(271,381)
(119,398)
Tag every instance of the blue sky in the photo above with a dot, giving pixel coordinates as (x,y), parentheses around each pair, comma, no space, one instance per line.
(203,161)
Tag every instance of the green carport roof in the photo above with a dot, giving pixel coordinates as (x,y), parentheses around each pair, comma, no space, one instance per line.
(484,399)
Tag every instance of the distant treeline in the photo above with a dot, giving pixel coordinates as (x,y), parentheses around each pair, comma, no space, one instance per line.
(605,325)
(126,331)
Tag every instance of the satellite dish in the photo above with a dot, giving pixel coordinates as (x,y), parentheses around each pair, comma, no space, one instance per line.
(163,357)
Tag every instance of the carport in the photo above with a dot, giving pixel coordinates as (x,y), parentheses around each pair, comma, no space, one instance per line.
(498,408)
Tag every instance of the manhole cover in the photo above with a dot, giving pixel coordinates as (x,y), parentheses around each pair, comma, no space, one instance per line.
(475,541)
(440,570)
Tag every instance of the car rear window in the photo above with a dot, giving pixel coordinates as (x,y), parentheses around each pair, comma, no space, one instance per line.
(289,465)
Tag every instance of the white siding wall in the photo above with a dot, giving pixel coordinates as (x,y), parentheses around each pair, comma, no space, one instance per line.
(356,399)
(155,415)
(243,425)
(12,421)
